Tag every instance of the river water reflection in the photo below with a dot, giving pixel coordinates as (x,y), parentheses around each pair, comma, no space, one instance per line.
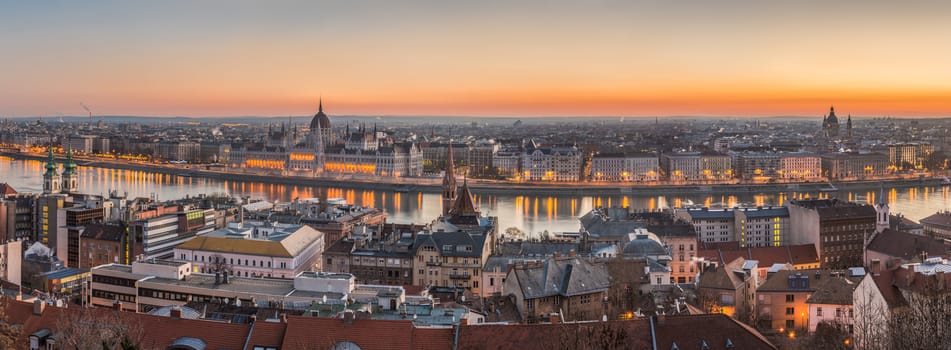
(530,213)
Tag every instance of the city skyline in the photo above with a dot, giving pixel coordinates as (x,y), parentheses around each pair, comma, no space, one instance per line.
(419,58)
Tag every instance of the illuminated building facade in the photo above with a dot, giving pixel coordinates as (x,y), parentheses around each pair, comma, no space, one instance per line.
(905,156)
(624,167)
(557,164)
(364,152)
(855,165)
(682,166)
(770,166)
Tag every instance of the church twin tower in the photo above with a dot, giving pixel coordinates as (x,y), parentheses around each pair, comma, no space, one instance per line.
(53,182)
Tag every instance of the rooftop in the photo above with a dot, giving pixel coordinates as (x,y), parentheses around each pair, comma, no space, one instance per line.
(905,245)
(560,276)
(262,286)
(285,241)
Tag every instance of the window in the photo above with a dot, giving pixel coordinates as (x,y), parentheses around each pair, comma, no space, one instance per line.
(790,298)
(819,311)
(330,262)
(530,304)
(790,324)
(491,281)
(790,311)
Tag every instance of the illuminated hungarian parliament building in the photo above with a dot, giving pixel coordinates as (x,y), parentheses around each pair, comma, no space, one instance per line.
(319,150)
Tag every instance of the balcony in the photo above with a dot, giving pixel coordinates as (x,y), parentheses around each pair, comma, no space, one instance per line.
(433,263)
(459,276)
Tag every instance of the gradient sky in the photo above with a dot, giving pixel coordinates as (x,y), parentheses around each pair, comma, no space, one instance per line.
(476,58)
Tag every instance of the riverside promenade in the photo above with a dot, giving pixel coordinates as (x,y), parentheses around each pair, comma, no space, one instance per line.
(432,184)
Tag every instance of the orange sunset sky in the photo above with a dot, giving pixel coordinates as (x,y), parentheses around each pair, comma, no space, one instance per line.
(482,58)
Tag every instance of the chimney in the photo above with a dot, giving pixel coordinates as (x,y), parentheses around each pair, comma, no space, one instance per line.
(254,318)
(464,321)
(38,307)
(557,254)
(876,267)
(554,318)
(348,317)
(175,312)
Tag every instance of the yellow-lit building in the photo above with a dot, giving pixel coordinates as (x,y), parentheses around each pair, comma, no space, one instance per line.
(363,152)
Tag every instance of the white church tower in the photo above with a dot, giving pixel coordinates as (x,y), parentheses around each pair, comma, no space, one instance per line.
(881,212)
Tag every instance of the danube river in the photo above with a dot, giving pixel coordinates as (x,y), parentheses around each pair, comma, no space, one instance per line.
(530,213)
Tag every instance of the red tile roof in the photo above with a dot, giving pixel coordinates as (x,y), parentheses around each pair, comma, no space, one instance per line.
(905,245)
(413,289)
(690,331)
(322,333)
(267,334)
(766,256)
(156,331)
(6,190)
(633,334)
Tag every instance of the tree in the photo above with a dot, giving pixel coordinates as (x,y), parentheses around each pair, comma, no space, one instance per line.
(870,326)
(926,322)
(829,335)
(9,332)
(626,280)
(218,263)
(99,329)
(514,234)
(595,335)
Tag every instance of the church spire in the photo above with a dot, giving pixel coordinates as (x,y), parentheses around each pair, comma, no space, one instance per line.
(448,183)
(320,105)
(51,178)
(51,164)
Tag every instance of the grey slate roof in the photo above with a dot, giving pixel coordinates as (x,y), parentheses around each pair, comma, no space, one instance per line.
(705,214)
(599,223)
(723,277)
(643,246)
(453,243)
(767,212)
(502,263)
(561,276)
(835,290)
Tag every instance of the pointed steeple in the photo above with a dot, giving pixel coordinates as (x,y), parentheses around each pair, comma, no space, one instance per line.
(882,211)
(51,167)
(465,204)
(448,183)
(881,195)
(51,178)
(320,105)
(70,175)
(69,168)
